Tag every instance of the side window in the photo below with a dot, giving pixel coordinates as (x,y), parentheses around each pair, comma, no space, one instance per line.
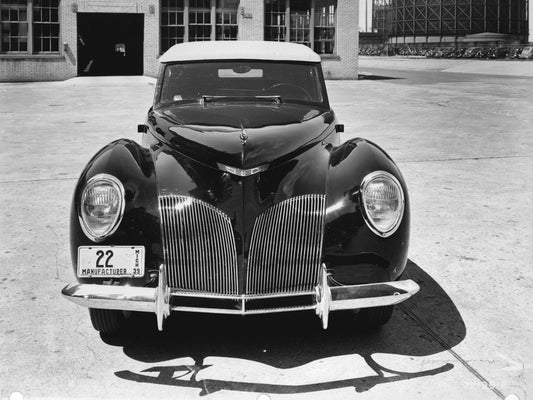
(170,84)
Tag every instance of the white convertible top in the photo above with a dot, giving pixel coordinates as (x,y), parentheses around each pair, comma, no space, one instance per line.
(240,49)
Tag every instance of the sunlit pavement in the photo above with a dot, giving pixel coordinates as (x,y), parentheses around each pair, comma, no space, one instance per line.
(464,144)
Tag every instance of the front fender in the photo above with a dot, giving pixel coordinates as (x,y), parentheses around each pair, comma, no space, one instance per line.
(134,167)
(352,252)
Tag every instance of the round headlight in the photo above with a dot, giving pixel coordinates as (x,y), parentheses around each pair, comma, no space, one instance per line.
(383,201)
(101,206)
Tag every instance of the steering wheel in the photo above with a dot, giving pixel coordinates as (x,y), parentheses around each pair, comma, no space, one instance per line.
(288,87)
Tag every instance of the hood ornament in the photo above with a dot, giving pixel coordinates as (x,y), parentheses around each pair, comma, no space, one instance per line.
(242,172)
(244,136)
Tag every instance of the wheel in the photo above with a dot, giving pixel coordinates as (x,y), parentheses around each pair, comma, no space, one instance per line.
(375,317)
(106,321)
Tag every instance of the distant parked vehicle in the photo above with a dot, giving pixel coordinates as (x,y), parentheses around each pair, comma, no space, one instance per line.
(483,53)
(447,52)
(471,52)
(495,52)
(516,53)
(499,52)
(458,53)
(527,53)
(430,53)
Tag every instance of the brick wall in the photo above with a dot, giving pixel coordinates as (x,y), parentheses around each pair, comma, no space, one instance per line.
(251,17)
(64,65)
(46,68)
(251,27)
(344,65)
(152,45)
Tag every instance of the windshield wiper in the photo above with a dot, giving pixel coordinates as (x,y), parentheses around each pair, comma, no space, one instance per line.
(206,98)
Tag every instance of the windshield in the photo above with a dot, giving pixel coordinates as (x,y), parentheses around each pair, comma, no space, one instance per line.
(242,81)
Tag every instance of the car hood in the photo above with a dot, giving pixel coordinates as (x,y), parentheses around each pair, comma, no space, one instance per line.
(240,135)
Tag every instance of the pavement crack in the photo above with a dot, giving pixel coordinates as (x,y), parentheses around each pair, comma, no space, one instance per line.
(466,159)
(87,345)
(467,109)
(447,347)
(39,180)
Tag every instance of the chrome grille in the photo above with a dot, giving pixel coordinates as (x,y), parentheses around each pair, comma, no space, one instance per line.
(286,246)
(199,246)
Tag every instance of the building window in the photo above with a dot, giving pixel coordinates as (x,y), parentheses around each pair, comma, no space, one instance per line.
(227,19)
(324,29)
(172,23)
(275,25)
(29,27)
(46,26)
(14,19)
(300,22)
(309,22)
(197,20)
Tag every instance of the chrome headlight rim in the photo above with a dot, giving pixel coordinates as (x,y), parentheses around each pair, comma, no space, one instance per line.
(369,222)
(117,184)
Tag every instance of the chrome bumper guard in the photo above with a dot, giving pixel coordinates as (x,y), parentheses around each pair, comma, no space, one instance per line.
(157,300)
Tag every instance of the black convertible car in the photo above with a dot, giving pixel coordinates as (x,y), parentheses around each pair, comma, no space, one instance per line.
(241,199)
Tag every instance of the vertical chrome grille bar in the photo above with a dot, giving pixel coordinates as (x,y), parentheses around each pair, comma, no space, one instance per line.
(286,246)
(199,246)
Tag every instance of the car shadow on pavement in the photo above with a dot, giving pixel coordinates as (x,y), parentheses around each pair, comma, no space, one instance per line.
(372,77)
(427,324)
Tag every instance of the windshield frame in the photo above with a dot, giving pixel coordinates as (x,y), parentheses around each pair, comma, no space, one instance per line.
(321,83)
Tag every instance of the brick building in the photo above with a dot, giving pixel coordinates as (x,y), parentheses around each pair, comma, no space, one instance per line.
(61,39)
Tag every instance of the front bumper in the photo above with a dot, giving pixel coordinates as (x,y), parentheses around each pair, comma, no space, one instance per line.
(325,298)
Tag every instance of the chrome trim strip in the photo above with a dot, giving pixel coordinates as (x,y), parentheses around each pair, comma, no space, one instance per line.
(180,293)
(228,311)
(198,246)
(286,246)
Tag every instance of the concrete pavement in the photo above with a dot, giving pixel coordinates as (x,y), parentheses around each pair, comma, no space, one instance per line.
(464,144)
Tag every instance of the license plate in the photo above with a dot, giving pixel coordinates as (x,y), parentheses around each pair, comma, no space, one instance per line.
(110,261)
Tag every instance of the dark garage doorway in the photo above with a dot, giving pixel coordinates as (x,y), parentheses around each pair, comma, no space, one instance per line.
(110,44)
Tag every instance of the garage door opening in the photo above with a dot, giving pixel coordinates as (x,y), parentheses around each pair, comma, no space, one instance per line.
(110,44)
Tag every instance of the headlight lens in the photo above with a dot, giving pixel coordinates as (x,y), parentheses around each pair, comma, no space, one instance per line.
(102,206)
(383,201)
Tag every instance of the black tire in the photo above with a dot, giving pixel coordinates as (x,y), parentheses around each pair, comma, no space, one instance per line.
(106,321)
(375,317)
